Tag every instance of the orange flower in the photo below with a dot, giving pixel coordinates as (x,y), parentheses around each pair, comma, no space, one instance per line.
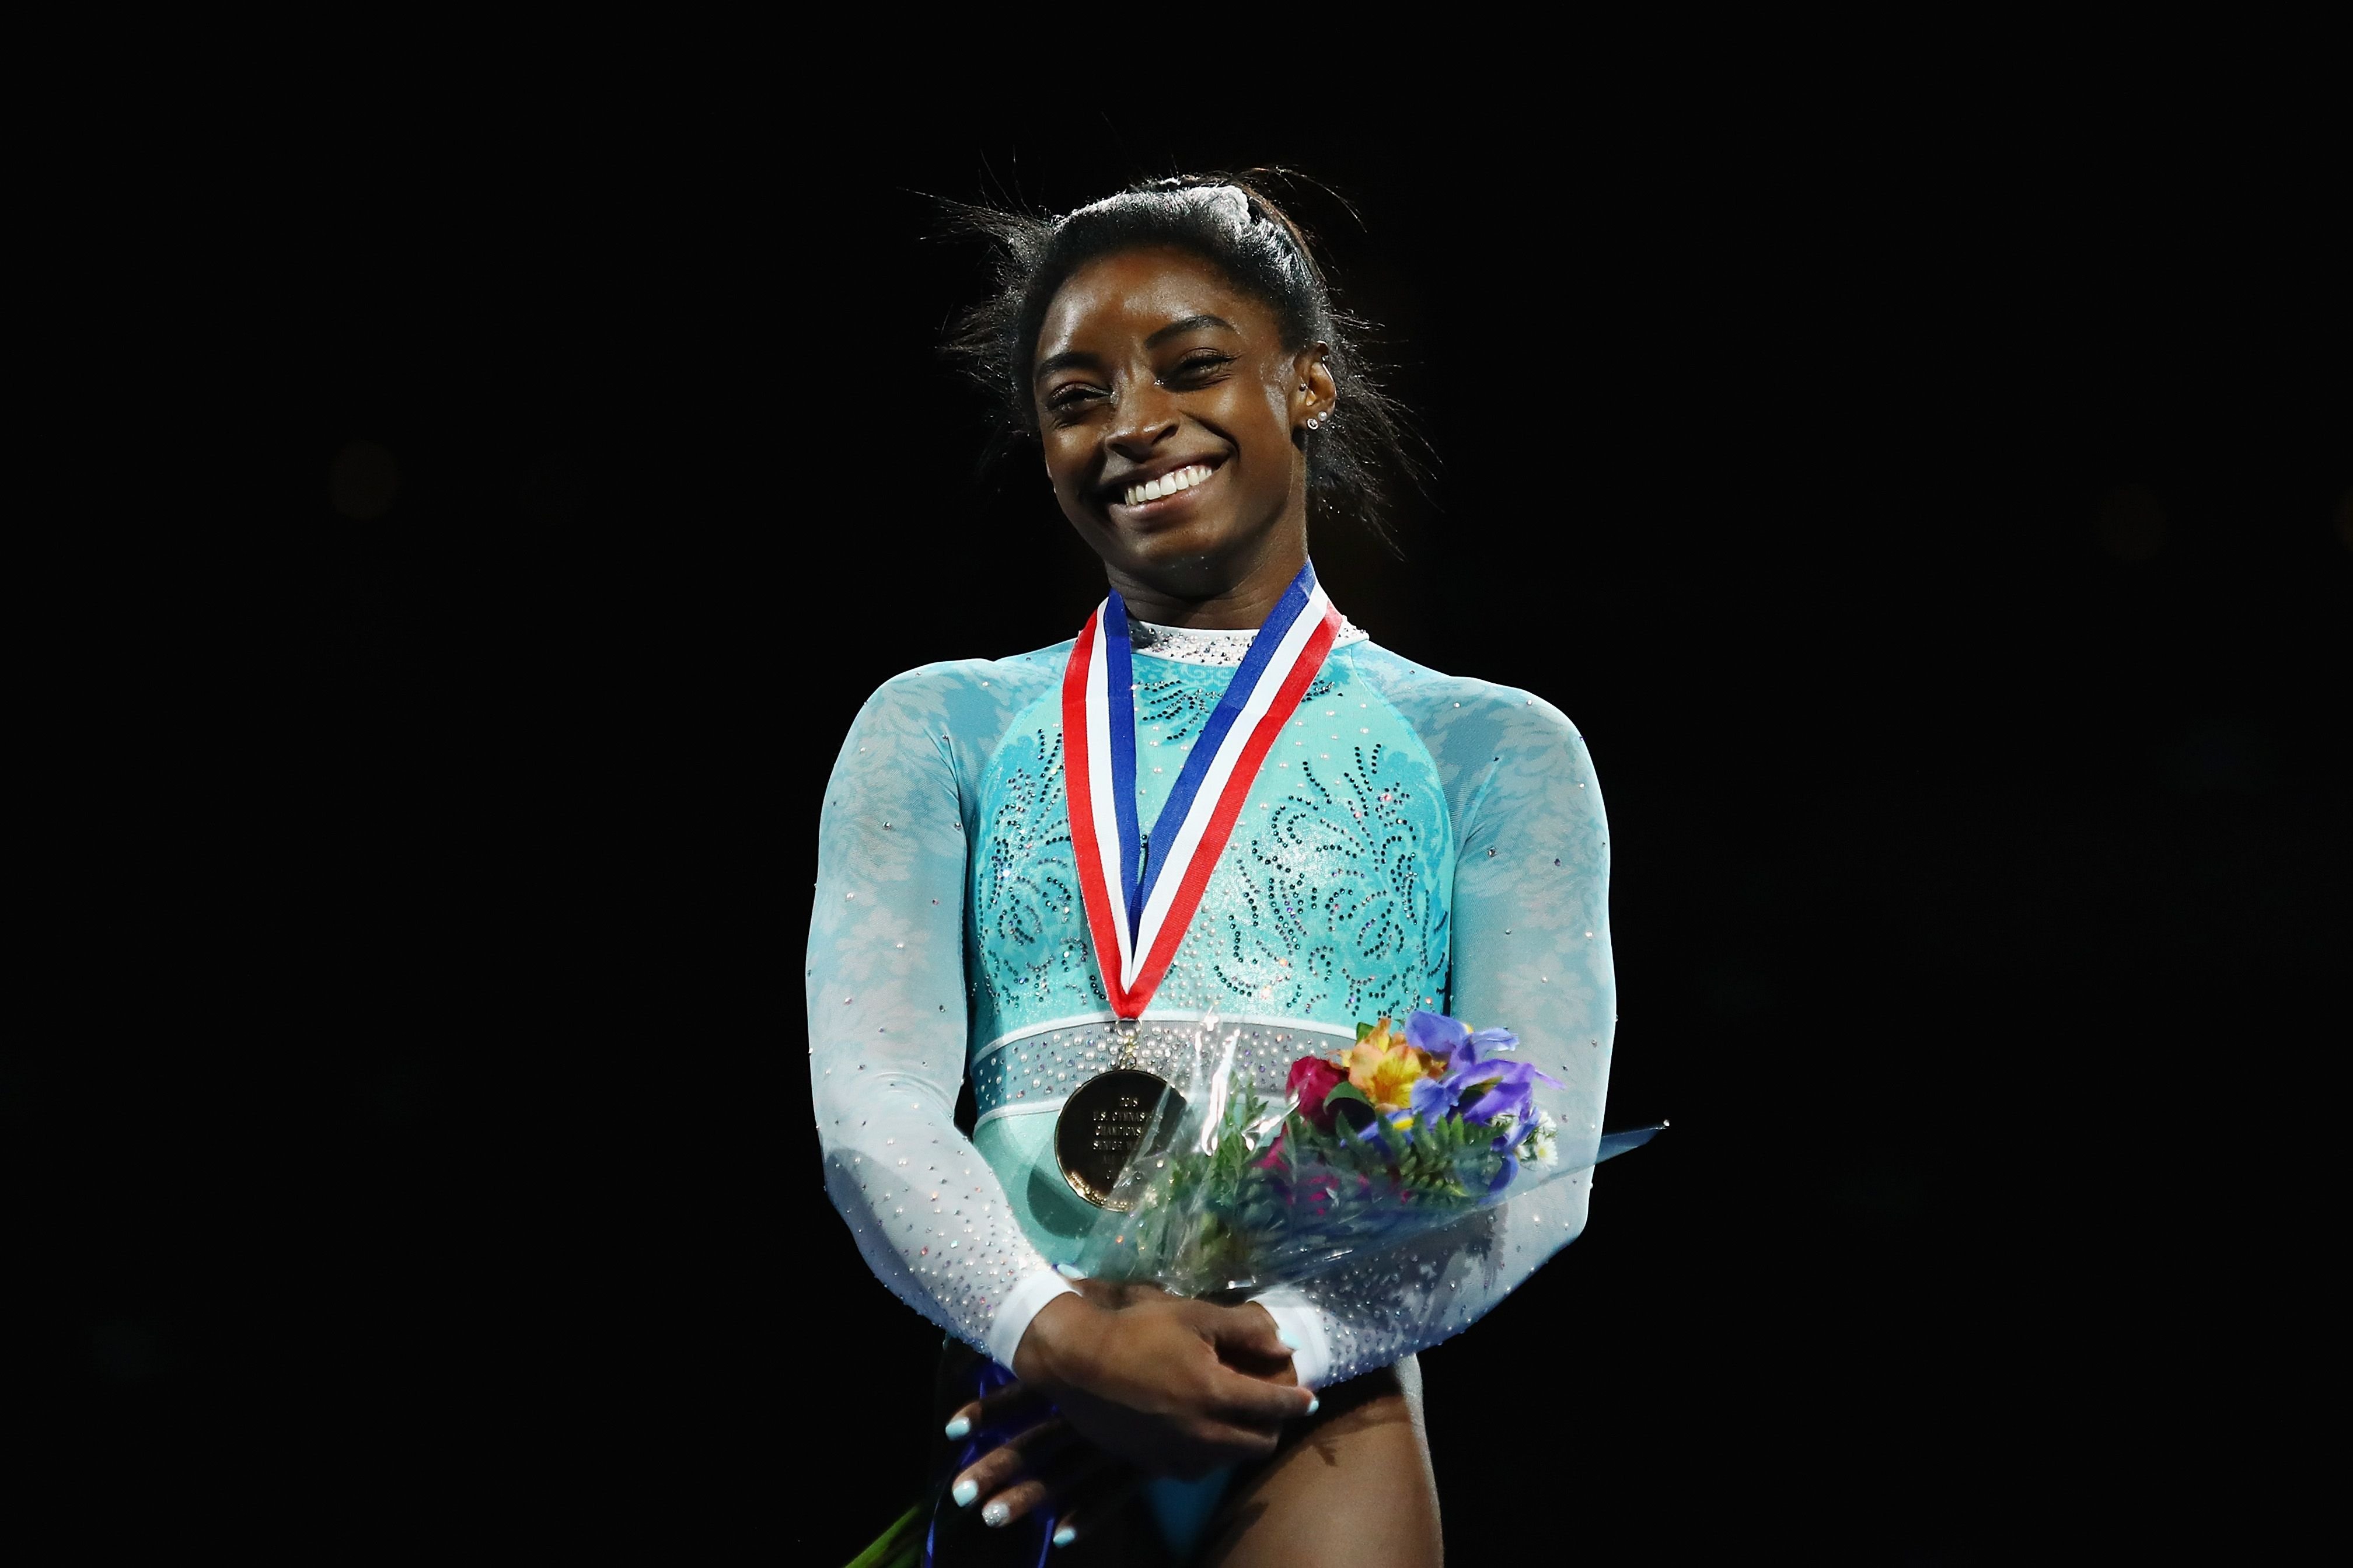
(1385,1067)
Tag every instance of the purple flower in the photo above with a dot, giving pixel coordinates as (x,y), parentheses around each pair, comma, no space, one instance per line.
(1436,1097)
(1439,1035)
(1499,1099)
(1510,1086)
(1486,1042)
(1454,1042)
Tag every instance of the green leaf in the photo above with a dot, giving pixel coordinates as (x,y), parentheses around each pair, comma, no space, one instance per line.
(1365,1031)
(901,1543)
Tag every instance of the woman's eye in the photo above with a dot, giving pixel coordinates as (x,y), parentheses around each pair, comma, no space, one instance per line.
(1196,365)
(1070,396)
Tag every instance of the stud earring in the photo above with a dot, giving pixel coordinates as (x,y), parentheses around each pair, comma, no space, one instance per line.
(1314,420)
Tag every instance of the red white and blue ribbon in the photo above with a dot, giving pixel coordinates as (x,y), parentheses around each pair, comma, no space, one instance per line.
(1137,913)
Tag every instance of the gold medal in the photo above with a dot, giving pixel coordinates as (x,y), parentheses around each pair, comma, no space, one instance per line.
(1103,1124)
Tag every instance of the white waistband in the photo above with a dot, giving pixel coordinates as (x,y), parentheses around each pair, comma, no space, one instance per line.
(1174,1016)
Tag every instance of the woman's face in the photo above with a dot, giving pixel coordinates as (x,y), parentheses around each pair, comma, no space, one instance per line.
(1155,374)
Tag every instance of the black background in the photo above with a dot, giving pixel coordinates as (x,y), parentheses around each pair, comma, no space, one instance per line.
(1940,535)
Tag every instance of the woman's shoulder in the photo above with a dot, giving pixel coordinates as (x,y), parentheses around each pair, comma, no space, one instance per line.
(1459,708)
(967,705)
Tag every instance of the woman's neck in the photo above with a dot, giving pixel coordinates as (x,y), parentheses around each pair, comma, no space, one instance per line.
(1242,603)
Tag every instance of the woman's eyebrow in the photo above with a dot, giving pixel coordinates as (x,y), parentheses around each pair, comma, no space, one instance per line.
(1190,324)
(1069,358)
(1063,361)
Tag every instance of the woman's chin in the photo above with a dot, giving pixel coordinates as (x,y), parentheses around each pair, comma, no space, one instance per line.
(1191,537)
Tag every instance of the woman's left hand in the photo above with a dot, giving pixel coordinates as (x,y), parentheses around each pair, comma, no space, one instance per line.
(1043,1465)
(1043,1462)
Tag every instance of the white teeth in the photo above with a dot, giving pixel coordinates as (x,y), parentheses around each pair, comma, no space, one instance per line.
(1184,479)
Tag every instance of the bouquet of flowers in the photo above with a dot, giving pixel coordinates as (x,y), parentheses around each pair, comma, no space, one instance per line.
(1232,1190)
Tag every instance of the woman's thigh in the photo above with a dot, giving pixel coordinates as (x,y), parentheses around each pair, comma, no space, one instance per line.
(1351,1487)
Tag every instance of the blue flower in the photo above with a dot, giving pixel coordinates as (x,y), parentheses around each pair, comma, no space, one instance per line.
(1439,1035)
(1435,1097)
(1509,1085)
(1508,1142)
(1454,1042)
(1488,1041)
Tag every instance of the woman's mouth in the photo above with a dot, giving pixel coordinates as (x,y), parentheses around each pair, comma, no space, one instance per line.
(1184,479)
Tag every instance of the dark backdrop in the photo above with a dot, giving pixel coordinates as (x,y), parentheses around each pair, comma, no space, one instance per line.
(1938,534)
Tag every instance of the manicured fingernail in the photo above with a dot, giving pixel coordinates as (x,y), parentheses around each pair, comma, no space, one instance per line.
(1287,1337)
(1314,1404)
(965,1490)
(995,1514)
(1065,1535)
(959,1426)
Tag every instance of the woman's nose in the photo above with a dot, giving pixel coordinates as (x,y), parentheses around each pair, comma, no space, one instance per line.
(1145,417)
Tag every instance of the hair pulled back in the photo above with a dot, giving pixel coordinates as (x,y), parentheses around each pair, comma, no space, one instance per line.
(1356,452)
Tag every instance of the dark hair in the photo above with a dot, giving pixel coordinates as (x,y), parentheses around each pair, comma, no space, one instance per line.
(1354,456)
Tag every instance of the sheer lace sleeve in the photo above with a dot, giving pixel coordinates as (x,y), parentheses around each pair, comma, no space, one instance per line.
(887,1025)
(1531,953)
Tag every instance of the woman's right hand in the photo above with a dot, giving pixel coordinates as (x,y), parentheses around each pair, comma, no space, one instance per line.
(1173,1386)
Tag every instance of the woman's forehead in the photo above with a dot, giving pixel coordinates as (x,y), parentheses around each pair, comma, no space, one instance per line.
(1130,294)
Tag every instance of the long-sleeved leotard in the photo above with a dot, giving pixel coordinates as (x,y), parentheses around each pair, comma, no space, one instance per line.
(1414,839)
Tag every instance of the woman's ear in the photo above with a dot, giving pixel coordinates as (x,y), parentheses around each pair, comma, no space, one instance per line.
(1312,393)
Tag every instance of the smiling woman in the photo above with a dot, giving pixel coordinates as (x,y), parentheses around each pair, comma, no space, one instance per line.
(1217,293)
(1222,811)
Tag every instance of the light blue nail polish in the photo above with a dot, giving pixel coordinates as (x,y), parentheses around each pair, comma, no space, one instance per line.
(1314,1404)
(995,1515)
(1065,1535)
(965,1490)
(959,1426)
(1287,1337)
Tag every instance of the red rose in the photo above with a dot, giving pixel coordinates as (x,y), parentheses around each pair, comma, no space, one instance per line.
(1313,1077)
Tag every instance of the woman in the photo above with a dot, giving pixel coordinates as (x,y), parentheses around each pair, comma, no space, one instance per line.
(1402,839)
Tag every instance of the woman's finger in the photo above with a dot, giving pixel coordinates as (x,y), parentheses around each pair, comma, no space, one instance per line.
(1246,1400)
(1028,1455)
(1011,1503)
(1026,1494)
(1248,1330)
(1087,1511)
(1233,1444)
(1003,1412)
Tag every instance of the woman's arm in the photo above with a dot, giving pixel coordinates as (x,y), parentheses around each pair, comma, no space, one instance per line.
(1531,953)
(1170,1386)
(887,1024)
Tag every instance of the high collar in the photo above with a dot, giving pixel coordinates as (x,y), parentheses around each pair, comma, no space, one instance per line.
(1195,644)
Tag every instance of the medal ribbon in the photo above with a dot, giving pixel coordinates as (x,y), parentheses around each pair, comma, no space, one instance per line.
(1137,920)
